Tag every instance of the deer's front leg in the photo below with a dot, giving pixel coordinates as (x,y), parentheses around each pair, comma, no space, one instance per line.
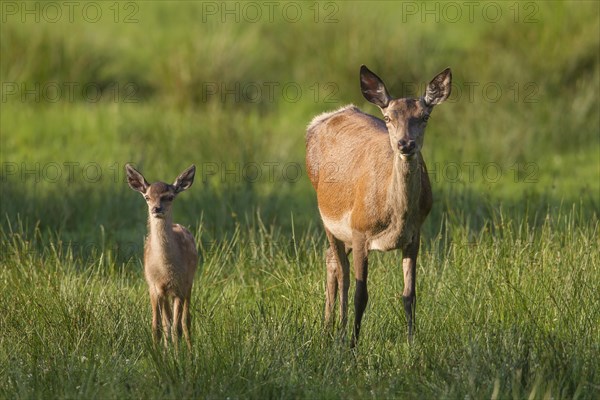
(361,269)
(409,296)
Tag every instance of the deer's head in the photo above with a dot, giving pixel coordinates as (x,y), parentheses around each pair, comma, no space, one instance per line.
(406,118)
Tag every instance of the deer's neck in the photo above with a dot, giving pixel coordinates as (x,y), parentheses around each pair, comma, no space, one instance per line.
(405,186)
(161,234)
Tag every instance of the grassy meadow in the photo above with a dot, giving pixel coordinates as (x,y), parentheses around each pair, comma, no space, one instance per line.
(508,277)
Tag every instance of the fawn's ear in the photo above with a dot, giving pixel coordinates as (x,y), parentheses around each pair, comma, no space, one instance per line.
(373,88)
(136,180)
(438,89)
(185,179)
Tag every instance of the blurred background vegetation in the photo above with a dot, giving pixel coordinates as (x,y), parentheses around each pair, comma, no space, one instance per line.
(232,86)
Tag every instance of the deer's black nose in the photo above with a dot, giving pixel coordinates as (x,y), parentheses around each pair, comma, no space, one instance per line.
(406,146)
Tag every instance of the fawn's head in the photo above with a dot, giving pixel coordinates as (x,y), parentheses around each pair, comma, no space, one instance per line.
(405,118)
(159,195)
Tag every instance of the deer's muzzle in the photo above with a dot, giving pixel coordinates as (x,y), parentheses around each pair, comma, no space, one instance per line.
(407,146)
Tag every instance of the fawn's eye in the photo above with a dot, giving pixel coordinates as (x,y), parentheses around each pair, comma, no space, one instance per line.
(386,118)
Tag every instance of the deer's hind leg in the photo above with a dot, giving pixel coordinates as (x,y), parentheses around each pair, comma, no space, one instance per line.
(338,279)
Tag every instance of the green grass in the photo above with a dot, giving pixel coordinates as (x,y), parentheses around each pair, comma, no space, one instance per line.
(512,309)
(508,303)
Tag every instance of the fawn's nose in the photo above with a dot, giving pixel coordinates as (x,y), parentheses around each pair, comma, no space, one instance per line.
(406,146)
(157,209)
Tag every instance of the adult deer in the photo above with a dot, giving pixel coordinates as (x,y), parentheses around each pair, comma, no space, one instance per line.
(372,186)
(170,256)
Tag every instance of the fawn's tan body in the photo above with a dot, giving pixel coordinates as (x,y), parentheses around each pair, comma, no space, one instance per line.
(170,257)
(372,187)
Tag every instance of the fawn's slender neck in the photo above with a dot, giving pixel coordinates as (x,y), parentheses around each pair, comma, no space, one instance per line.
(161,233)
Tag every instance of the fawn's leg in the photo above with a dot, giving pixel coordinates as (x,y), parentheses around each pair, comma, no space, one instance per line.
(186,320)
(155,316)
(165,311)
(176,324)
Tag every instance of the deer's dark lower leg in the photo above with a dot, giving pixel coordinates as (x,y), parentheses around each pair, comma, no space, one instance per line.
(410,303)
(361,297)
(361,270)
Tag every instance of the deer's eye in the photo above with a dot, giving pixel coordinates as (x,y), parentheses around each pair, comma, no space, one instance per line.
(425,118)
(147,198)
(386,118)
(168,198)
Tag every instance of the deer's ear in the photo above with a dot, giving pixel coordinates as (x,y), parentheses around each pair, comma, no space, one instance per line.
(136,180)
(439,88)
(373,88)
(185,179)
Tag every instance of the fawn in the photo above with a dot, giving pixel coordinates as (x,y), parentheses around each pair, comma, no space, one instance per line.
(170,256)
(372,186)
